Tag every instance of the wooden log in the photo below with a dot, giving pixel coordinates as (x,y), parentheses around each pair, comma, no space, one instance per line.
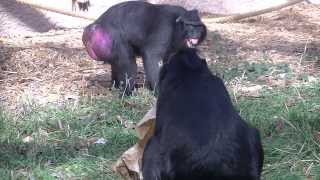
(237,17)
(56,10)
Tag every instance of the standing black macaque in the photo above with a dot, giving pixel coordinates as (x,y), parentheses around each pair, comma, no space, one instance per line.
(136,28)
(198,134)
(83,5)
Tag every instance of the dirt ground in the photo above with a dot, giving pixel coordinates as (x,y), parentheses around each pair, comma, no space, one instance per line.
(54,67)
(17,18)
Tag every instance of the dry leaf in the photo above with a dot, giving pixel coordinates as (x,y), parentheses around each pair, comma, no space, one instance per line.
(129,164)
(253,91)
(279,125)
(27,139)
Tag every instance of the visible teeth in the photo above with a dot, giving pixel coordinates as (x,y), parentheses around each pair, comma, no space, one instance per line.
(193,41)
(190,44)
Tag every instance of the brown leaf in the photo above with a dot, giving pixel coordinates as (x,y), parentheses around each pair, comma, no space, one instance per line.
(129,164)
(252,91)
(291,101)
(279,125)
(317,135)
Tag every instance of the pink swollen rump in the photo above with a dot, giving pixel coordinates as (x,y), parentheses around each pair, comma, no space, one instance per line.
(98,42)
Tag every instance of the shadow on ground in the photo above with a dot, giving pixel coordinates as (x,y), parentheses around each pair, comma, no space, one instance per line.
(12,12)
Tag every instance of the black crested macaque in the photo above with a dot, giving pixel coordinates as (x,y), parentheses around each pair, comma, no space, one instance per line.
(136,28)
(198,133)
(83,5)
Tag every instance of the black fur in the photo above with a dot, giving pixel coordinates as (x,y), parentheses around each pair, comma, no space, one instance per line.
(82,5)
(141,29)
(199,135)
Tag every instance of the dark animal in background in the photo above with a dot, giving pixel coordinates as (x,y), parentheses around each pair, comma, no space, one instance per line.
(198,134)
(135,28)
(83,5)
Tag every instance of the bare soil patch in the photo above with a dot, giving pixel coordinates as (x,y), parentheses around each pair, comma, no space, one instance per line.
(53,67)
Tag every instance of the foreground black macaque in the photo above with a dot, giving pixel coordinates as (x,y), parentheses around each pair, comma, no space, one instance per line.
(198,134)
(134,28)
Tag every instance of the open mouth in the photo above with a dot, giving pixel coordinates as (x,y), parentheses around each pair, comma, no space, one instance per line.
(192,42)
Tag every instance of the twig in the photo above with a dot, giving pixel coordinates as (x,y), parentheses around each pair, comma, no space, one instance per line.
(238,17)
(224,18)
(302,55)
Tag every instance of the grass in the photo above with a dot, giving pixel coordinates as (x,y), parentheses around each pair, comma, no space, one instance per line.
(62,136)
(289,122)
(252,71)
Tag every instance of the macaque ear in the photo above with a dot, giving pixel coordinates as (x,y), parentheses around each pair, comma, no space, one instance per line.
(190,17)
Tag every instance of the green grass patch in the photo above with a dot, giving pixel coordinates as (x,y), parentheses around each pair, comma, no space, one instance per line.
(62,138)
(62,148)
(289,121)
(252,71)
